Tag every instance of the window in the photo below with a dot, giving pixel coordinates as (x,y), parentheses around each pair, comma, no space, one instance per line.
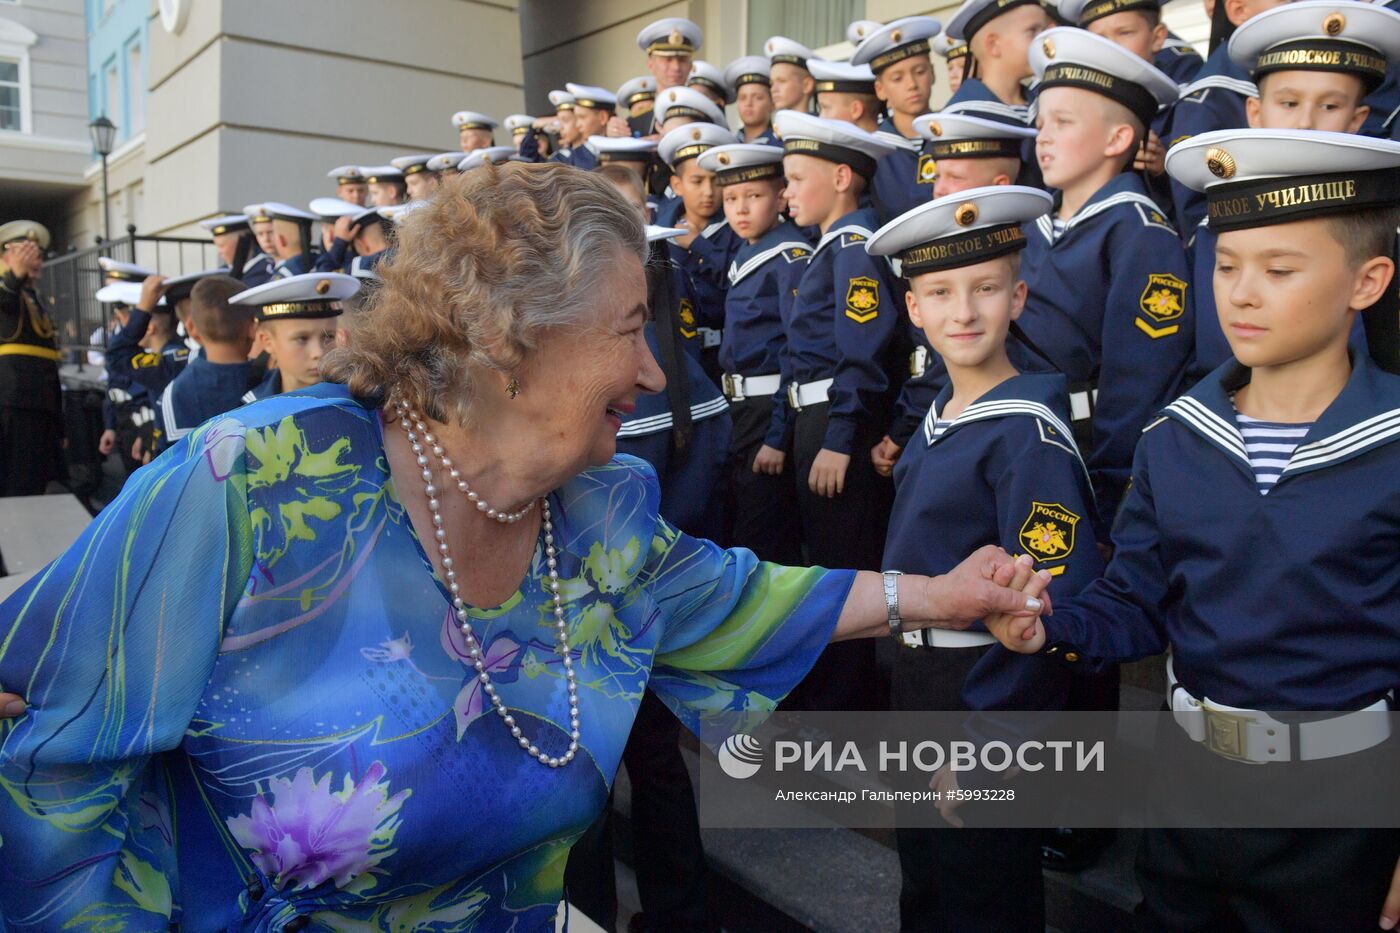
(11,97)
(112,96)
(814,23)
(15,42)
(135,88)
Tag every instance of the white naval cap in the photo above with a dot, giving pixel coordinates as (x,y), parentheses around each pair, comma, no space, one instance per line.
(858,31)
(412,164)
(122,293)
(670,36)
(1320,35)
(479,157)
(471,120)
(562,100)
(832,140)
(841,77)
(622,148)
(227,223)
(374,174)
(686,102)
(782,50)
(964,136)
(593,98)
(1083,12)
(1068,56)
(948,47)
(517,124)
(311,295)
(963,229)
(332,208)
(114,270)
(896,41)
(257,214)
(974,14)
(687,142)
(635,90)
(1256,177)
(398,212)
(444,161)
(31,230)
(346,174)
(276,210)
(655,233)
(709,76)
(735,163)
(751,69)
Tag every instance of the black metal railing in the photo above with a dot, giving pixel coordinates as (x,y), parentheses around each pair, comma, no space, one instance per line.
(69,283)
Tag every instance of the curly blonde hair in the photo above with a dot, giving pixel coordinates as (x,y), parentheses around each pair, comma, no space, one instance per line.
(497,257)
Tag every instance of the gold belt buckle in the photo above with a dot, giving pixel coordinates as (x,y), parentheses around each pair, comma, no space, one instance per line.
(727,383)
(1225,733)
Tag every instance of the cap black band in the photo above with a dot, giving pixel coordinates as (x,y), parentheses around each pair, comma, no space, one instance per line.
(797,60)
(470,125)
(1324,55)
(712,85)
(594,104)
(845,87)
(689,152)
(564,105)
(990,12)
(984,148)
(121,275)
(957,51)
(297,309)
(752,77)
(626,155)
(349,179)
(229,228)
(963,249)
(684,111)
(640,96)
(1097,11)
(863,164)
(898,54)
(1133,96)
(1241,205)
(737,176)
(415,168)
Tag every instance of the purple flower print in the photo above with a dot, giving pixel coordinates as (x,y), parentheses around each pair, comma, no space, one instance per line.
(502,656)
(309,835)
(223,445)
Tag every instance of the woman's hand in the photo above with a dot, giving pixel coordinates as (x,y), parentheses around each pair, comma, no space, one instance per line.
(1390,910)
(768,460)
(11,706)
(828,476)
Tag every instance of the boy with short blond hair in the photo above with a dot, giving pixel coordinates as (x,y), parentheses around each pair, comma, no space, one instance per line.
(998,34)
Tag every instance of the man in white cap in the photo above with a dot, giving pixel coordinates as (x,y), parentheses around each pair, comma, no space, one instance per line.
(349,183)
(670,44)
(31,401)
(791,83)
(751,79)
(474,130)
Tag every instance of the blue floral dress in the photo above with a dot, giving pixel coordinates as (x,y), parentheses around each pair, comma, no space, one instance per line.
(249,708)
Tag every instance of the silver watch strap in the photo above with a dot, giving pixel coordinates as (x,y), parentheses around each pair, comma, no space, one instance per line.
(891,581)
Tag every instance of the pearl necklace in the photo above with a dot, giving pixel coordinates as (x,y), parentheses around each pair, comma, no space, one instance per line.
(459,608)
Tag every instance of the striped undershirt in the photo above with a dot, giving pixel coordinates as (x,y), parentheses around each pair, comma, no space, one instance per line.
(1269,445)
(1057,227)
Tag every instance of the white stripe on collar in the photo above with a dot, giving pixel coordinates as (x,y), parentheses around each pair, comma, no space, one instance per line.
(755,262)
(167,412)
(1357,437)
(980,411)
(1225,82)
(1210,425)
(714,228)
(899,141)
(839,231)
(1018,111)
(664,421)
(1122,197)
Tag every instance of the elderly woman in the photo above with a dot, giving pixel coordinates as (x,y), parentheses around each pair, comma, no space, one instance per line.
(365,656)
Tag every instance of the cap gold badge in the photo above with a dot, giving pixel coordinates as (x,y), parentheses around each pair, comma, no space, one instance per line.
(860,31)
(722,158)
(323,286)
(896,36)
(695,134)
(965,215)
(673,97)
(1334,24)
(676,37)
(1048,47)
(936,128)
(1220,163)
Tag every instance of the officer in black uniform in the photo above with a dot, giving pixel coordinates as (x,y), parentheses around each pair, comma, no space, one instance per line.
(31,403)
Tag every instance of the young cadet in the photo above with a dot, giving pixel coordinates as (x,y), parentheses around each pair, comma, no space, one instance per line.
(291,236)
(386,185)
(1136,25)
(670,44)
(1314,63)
(296,327)
(336,234)
(148,351)
(971,152)
(763,278)
(517,125)
(709,80)
(998,34)
(706,246)
(1108,303)
(637,96)
(753,98)
(233,233)
(350,184)
(843,91)
(593,108)
(1284,458)
(679,106)
(898,55)
(840,330)
(993,463)
(1213,101)
(421,181)
(128,407)
(954,53)
(790,83)
(474,130)
(214,380)
(31,397)
(261,222)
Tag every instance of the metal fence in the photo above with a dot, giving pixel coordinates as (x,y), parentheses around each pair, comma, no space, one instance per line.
(69,283)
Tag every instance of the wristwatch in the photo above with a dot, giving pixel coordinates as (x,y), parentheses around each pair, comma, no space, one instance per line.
(891,578)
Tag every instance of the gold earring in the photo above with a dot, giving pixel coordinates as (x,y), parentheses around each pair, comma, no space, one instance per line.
(513,387)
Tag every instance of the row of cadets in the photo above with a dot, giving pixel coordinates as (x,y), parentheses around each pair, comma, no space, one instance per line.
(763,278)
(1257,542)
(128,408)
(998,34)
(420,181)
(1291,52)
(994,462)
(290,236)
(1108,303)
(706,245)
(474,130)
(296,323)
(350,184)
(790,82)
(898,55)
(31,398)
(239,250)
(971,152)
(753,99)
(840,332)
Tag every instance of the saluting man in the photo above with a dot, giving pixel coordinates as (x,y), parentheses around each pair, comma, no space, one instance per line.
(31,402)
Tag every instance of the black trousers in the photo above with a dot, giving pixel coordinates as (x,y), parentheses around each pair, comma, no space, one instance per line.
(960,879)
(764,508)
(31,450)
(1263,879)
(669,858)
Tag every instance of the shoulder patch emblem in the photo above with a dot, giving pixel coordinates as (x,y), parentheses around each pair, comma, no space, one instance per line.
(687,312)
(852,238)
(1048,532)
(862,299)
(928,169)
(1163,298)
(145,360)
(798,252)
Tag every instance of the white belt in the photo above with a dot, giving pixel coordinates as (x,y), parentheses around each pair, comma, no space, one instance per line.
(918,361)
(943,638)
(119,396)
(810,393)
(737,387)
(1081,404)
(709,337)
(1258,738)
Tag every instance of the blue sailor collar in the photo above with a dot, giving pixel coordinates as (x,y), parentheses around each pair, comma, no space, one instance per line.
(1366,415)
(1123,188)
(783,240)
(1041,396)
(856,227)
(887,130)
(1220,71)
